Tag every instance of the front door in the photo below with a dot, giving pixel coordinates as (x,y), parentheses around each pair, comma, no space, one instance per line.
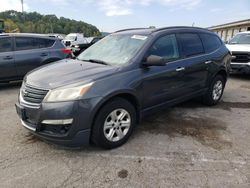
(162,84)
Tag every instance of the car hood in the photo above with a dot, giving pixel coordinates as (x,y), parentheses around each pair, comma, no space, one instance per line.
(66,72)
(239,47)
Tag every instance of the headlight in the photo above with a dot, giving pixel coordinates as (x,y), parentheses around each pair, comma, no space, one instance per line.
(67,94)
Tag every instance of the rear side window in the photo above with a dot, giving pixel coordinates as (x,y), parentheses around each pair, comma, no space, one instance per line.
(45,43)
(5,44)
(190,44)
(165,47)
(26,43)
(210,42)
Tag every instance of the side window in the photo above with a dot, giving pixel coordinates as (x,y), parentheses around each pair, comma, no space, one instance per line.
(190,44)
(165,47)
(5,44)
(26,43)
(45,43)
(210,42)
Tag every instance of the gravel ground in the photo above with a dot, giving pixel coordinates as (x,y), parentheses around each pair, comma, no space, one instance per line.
(190,145)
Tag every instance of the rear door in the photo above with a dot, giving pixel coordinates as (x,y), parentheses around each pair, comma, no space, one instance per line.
(196,72)
(7,63)
(214,57)
(28,54)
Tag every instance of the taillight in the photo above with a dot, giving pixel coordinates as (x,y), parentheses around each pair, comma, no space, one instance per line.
(66,50)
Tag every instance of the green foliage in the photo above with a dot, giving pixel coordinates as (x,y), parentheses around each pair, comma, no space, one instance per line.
(10,26)
(36,23)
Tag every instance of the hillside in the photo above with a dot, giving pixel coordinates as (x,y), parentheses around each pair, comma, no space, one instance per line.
(34,22)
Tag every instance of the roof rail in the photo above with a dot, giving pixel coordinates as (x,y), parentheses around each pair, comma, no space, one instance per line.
(178,27)
(130,29)
(4,35)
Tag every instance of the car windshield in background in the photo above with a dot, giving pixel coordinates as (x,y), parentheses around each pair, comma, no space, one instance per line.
(114,49)
(241,39)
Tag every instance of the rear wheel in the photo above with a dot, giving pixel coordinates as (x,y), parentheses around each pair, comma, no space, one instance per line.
(215,91)
(114,124)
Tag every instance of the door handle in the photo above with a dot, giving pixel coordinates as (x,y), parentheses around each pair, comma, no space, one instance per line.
(44,54)
(8,58)
(180,69)
(208,62)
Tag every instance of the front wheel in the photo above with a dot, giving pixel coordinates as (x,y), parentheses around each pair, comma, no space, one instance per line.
(114,124)
(215,91)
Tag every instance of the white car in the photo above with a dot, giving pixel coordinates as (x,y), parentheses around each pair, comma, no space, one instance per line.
(74,39)
(239,46)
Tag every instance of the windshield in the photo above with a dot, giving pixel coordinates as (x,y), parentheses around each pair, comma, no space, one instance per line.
(243,38)
(114,49)
(70,37)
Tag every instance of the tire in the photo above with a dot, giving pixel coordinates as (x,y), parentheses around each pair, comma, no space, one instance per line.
(215,91)
(110,121)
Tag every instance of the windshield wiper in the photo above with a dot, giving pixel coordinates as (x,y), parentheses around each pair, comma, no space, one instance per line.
(97,61)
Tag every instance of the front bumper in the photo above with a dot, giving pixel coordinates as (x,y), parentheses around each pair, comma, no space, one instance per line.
(240,67)
(74,134)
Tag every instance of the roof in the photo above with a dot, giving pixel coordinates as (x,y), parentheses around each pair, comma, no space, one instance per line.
(231,24)
(147,31)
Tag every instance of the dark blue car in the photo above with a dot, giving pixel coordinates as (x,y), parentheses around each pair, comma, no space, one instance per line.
(101,95)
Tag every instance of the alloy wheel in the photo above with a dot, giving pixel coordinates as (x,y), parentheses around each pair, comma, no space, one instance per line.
(117,125)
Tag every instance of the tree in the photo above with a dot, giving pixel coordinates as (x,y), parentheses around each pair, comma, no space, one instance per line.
(34,22)
(10,26)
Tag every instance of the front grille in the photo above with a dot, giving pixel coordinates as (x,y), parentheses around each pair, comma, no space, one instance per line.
(33,95)
(241,57)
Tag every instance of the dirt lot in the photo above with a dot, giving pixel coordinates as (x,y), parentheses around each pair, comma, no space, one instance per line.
(190,145)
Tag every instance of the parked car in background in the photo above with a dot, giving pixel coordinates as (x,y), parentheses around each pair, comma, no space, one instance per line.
(74,39)
(240,49)
(79,48)
(21,53)
(113,84)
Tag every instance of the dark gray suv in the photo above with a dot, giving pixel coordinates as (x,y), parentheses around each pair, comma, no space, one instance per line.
(100,96)
(20,53)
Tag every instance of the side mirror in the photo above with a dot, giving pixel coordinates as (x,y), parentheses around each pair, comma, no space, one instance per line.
(76,39)
(154,60)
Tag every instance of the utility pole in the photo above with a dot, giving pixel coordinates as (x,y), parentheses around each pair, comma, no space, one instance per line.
(22,5)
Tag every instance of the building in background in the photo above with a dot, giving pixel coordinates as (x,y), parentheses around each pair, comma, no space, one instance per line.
(228,30)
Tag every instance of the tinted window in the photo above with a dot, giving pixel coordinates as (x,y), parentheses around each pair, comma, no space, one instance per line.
(210,42)
(45,43)
(190,44)
(165,47)
(26,43)
(5,44)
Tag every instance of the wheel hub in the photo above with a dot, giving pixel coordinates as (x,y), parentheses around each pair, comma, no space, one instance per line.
(217,90)
(117,125)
